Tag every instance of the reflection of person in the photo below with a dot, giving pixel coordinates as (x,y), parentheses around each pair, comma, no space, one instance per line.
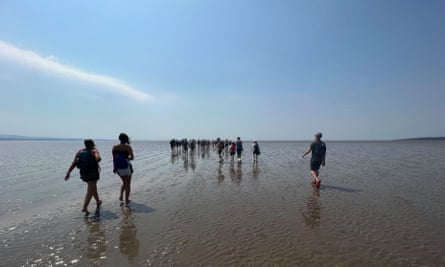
(220,174)
(128,242)
(97,243)
(255,171)
(87,160)
(312,213)
(239,172)
(232,172)
(193,162)
(318,149)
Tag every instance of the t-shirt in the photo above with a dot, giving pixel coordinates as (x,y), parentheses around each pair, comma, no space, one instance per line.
(239,145)
(318,150)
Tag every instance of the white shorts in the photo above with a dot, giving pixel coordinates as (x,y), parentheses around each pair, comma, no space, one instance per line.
(124,172)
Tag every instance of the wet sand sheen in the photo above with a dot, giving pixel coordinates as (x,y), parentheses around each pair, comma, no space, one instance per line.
(373,208)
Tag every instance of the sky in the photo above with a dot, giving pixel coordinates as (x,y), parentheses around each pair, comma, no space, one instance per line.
(266,70)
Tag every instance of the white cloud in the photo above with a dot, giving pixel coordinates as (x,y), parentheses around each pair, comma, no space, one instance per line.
(52,65)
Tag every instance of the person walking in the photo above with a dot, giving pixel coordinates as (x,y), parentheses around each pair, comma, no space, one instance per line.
(256,151)
(220,149)
(87,161)
(318,150)
(122,154)
(232,150)
(239,149)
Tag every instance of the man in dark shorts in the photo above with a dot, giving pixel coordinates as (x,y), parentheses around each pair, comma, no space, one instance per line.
(318,149)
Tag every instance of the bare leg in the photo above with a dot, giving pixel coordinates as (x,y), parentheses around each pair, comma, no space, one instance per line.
(121,196)
(315,175)
(95,193)
(88,197)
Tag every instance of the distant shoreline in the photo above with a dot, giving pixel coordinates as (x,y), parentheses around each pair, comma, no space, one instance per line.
(423,139)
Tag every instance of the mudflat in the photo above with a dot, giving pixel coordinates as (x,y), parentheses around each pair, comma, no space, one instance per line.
(380,203)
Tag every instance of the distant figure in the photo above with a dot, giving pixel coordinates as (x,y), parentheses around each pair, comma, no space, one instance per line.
(239,149)
(87,160)
(220,149)
(256,151)
(185,148)
(122,154)
(178,146)
(192,145)
(173,146)
(318,149)
(232,150)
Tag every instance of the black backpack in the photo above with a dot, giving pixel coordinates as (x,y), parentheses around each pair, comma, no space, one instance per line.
(86,162)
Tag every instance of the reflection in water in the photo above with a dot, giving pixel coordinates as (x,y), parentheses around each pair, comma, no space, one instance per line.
(128,242)
(239,172)
(255,171)
(220,174)
(232,172)
(312,213)
(97,244)
(192,161)
(186,164)
(236,174)
(174,158)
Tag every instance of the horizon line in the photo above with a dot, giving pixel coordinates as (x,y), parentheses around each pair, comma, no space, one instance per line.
(8,137)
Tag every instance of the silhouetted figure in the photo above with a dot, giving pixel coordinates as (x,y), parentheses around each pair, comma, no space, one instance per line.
(256,151)
(173,146)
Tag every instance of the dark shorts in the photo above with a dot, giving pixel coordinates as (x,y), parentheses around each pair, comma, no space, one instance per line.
(238,153)
(88,177)
(232,153)
(315,165)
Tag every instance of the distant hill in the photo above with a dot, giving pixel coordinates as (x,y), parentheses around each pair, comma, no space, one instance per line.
(6,137)
(423,139)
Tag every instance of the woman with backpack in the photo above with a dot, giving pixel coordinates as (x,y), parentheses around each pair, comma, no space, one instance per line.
(87,160)
(122,154)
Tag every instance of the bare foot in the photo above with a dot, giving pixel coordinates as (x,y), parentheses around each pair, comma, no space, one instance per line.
(86,212)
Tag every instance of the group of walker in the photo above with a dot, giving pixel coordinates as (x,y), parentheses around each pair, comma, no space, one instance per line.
(222,148)
(87,161)
(235,147)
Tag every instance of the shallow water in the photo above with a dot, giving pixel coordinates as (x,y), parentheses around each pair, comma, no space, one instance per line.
(380,203)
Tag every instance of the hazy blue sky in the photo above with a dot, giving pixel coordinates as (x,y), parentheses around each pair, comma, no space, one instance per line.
(259,69)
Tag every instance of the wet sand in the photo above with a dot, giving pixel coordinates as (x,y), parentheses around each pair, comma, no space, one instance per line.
(380,204)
